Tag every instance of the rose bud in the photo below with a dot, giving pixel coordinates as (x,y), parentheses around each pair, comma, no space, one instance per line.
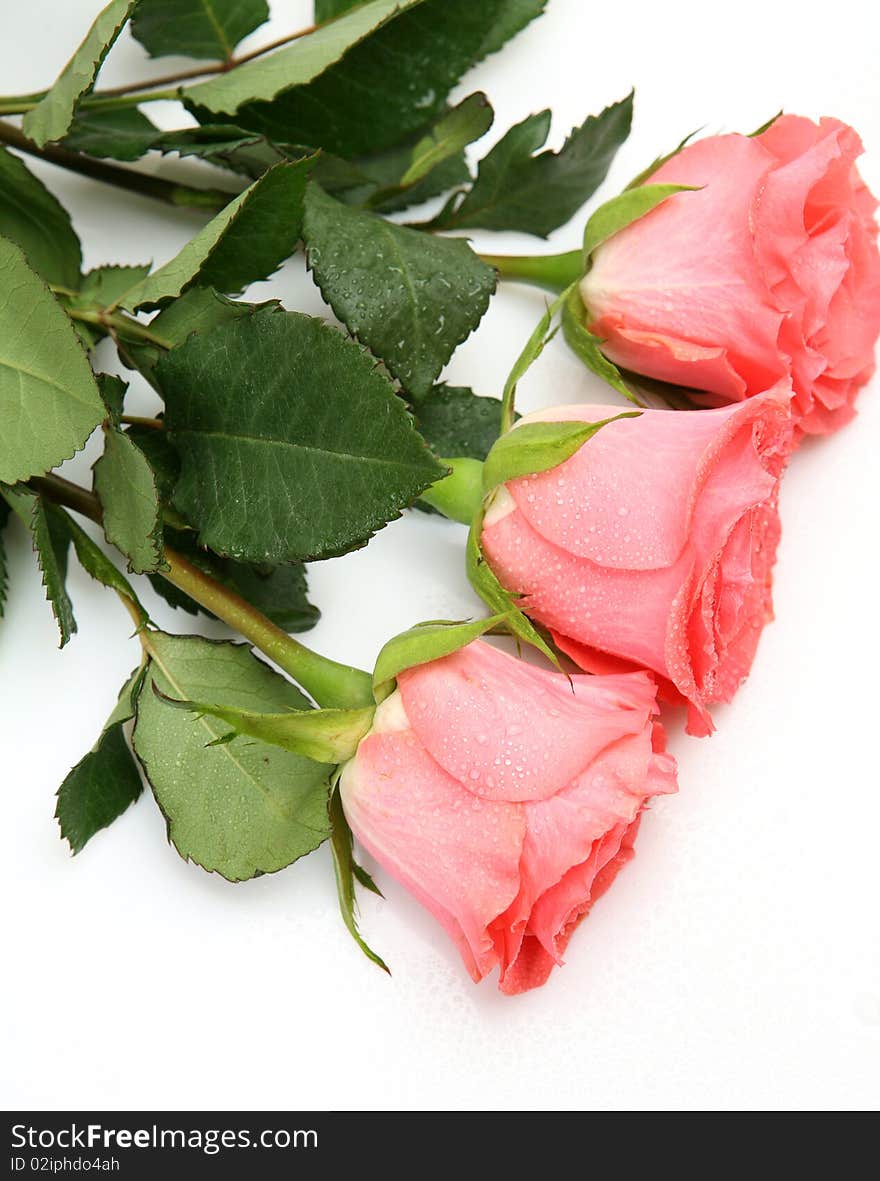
(506,798)
(653,545)
(770,270)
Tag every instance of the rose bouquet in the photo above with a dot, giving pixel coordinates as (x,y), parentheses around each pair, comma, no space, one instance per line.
(499,768)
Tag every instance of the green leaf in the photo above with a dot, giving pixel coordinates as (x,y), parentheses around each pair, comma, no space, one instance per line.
(385,88)
(129,496)
(446,175)
(123,133)
(411,298)
(325,735)
(198,310)
(463,124)
(296,63)
(244,152)
(328,10)
(238,809)
(422,644)
(52,116)
(621,211)
(99,289)
(499,600)
(196,28)
(456,422)
(246,241)
(346,870)
(32,218)
(538,447)
(103,783)
(375,180)
(292,444)
(50,542)
(511,16)
(588,347)
(113,390)
(49,402)
(280,592)
(535,194)
(160,455)
(97,565)
(106,285)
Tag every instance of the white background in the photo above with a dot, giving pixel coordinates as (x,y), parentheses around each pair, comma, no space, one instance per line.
(734,964)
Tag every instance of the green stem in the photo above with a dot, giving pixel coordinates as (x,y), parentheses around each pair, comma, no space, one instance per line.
(119,325)
(332,685)
(62,491)
(154,424)
(459,495)
(552,272)
(19,104)
(168,191)
(115,102)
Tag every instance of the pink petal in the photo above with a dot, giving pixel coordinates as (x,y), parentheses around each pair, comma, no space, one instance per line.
(475,712)
(534,963)
(456,853)
(687,273)
(625,499)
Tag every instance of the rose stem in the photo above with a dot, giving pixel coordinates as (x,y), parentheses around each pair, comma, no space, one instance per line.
(18,104)
(124,178)
(552,272)
(331,684)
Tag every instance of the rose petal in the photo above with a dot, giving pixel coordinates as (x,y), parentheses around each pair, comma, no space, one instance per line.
(475,712)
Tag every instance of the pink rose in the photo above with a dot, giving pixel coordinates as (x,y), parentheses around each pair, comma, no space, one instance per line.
(506,798)
(771,270)
(653,546)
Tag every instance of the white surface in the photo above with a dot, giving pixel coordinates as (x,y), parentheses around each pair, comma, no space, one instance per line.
(735,964)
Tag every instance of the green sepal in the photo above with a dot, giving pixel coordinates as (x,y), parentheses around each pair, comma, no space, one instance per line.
(766,126)
(621,211)
(346,870)
(485,582)
(539,446)
(588,347)
(422,644)
(324,735)
(657,163)
(541,336)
